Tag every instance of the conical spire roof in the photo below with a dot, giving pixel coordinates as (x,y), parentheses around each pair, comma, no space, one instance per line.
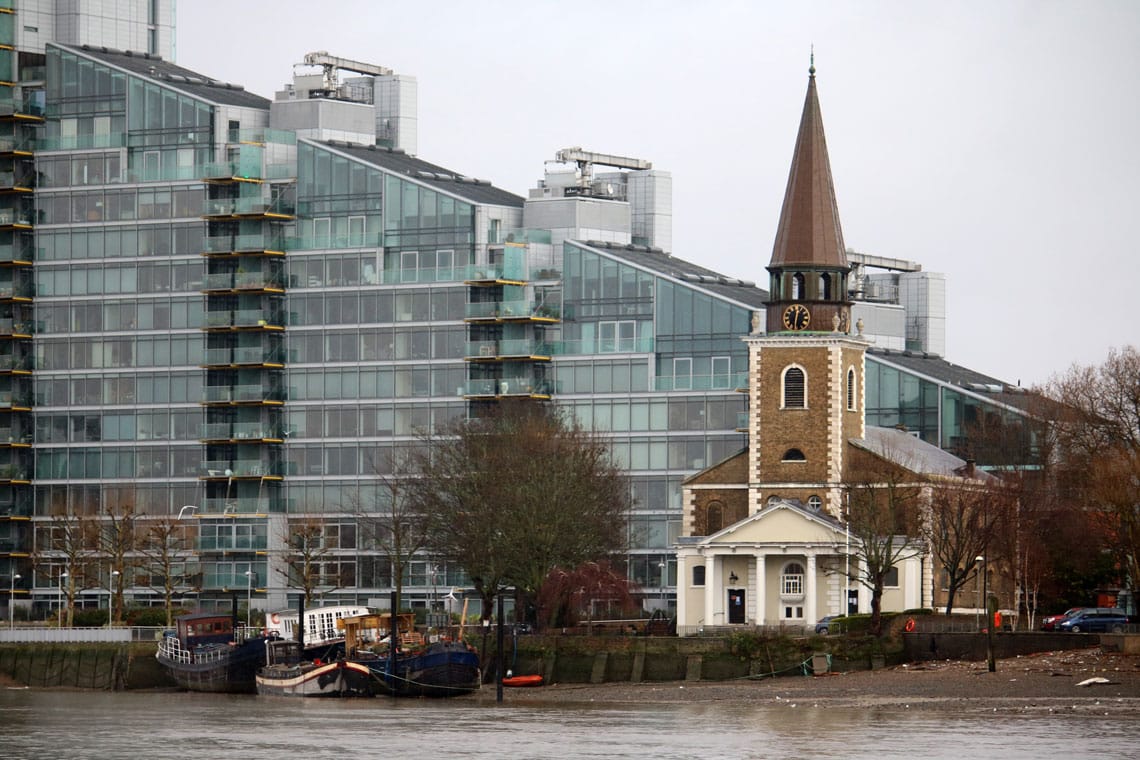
(809,231)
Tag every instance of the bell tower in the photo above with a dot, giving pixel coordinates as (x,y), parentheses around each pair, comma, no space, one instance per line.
(806,372)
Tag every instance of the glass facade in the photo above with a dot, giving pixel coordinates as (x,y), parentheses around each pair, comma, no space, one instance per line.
(232,325)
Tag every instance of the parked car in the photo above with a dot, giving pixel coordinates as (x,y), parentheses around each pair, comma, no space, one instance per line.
(1095,620)
(824,624)
(1049,622)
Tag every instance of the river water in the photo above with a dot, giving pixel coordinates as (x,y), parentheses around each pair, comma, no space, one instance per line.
(139,726)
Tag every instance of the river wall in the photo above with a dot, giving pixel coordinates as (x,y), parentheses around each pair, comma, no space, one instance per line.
(113,667)
(590,659)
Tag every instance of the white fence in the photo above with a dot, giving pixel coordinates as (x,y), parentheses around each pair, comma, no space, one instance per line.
(23,635)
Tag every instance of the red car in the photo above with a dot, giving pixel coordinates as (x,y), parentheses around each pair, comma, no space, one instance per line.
(1050,622)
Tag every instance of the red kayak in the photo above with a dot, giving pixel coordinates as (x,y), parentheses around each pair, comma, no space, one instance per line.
(523,681)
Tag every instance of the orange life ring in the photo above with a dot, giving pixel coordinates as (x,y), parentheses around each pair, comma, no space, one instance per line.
(275,618)
(997,619)
(909,627)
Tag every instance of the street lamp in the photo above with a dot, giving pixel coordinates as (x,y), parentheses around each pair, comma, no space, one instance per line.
(249,597)
(62,575)
(661,575)
(111,598)
(11,600)
(989,616)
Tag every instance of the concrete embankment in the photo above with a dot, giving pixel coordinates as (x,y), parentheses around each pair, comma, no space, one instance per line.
(586,659)
(83,666)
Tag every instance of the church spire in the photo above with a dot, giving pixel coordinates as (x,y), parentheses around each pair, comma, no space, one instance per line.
(809,233)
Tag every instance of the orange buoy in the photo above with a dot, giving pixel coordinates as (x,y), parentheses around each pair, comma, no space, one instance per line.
(909,627)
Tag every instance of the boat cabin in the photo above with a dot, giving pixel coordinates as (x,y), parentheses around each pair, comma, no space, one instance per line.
(205,628)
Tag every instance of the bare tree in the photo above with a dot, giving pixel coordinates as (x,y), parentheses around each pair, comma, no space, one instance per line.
(163,547)
(307,555)
(883,516)
(117,543)
(72,540)
(962,524)
(393,523)
(513,495)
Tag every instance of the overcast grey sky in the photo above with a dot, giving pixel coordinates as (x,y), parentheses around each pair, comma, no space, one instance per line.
(996,142)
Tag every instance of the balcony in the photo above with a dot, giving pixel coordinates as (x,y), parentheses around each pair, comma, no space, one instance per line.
(23,145)
(265,319)
(494,275)
(507,386)
(18,218)
(15,329)
(21,253)
(249,506)
(243,394)
(255,243)
(229,281)
(15,399)
(511,311)
(256,431)
(227,469)
(249,207)
(246,355)
(498,350)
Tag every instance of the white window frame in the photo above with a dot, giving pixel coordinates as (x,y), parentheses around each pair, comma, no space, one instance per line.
(792,584)
(784,387)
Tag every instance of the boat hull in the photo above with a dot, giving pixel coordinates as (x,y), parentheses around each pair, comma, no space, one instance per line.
(227,669)
(343,678)
(445,669)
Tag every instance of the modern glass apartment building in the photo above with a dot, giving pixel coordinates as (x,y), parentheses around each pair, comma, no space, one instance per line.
(211,321)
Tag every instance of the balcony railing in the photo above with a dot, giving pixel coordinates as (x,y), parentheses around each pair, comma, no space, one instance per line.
(728,381)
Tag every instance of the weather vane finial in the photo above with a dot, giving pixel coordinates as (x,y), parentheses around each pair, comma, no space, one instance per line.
(811,69)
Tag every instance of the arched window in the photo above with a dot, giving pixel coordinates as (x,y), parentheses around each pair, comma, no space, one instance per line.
(699,575)
(851,389)
(825,286)
(793,455)
(795,388)
(797,286)
(792,580)
(714,517)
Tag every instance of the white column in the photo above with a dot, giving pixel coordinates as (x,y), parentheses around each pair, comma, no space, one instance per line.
(811,588)
(713,588)
(761,587)
(682,587)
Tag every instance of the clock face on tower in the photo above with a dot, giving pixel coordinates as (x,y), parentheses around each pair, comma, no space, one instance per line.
(797,317)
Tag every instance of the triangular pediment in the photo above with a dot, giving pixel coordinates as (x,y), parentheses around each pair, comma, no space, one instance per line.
(780,523)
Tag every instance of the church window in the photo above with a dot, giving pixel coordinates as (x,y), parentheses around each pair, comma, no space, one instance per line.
(714,517)
(795,388)
(851,390)
(793,455)
(792,580)
(699,575)
(825,287)
(815,503)
(797,286)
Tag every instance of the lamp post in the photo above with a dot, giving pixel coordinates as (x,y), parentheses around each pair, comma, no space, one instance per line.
(989,616)
(11,600)
(661,567)
(249,597)
(111,598)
